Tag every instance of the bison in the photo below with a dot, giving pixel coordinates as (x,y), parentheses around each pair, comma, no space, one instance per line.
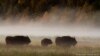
(65,41)
(46,42)
(17,40)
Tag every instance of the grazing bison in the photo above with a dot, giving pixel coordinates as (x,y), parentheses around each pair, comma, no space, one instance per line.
(46,42)
(17,40)
(65,41)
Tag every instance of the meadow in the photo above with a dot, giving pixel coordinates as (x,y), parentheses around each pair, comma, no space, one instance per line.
(84,47)
(31,50)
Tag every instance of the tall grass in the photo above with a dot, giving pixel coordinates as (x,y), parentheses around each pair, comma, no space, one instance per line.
(47,51)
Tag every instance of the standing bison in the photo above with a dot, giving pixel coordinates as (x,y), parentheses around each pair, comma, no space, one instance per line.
(46,42)
(65,41)
(17,40)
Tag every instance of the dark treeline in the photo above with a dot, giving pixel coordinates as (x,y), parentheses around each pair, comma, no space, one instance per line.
(38,7)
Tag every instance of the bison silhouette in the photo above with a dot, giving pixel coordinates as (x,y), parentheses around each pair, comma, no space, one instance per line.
(65,41)
(17,40)
(46,42)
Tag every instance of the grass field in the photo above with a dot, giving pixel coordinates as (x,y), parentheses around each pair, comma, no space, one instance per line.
(48,51)
(84,47)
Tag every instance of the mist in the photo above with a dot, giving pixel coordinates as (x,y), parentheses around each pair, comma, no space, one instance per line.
(56,22)
(49,31)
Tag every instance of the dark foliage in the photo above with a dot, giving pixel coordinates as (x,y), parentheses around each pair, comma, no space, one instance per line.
(38,7)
